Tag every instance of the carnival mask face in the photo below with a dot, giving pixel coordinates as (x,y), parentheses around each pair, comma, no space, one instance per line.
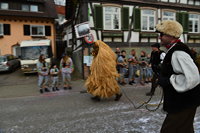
(95,50)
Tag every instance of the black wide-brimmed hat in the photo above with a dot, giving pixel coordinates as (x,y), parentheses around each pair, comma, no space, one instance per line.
(157,45)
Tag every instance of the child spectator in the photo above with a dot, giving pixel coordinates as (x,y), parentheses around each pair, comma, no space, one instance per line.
(54,71)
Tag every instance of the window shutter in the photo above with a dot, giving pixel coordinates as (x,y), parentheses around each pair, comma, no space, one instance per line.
(6,29)
(183,19)
(98,20)
(137,19)
(178,17)
(27,30)
(125,18)
(185,22)
(47,30)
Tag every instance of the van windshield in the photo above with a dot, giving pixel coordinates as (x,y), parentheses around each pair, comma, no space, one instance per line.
(33,52)
(2,59)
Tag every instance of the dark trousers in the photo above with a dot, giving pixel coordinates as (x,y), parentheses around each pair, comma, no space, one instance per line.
(154,82)
(180,122)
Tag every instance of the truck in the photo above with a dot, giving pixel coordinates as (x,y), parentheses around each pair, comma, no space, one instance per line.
(30,50)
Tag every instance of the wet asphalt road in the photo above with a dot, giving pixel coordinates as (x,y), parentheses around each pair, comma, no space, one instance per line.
(24,110)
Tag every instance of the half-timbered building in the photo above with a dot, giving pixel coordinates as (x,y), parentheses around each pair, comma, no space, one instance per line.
(130,23)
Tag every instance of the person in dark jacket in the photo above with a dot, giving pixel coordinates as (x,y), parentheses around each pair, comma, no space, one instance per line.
(179,79)
(157,57)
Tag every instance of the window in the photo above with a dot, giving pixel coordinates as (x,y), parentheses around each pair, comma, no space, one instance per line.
(37,30)
(148,20)
(4,6)
(1,29)
(183,1)
(197,3)
(168,15)
(172,1)
(164,0)
(112,18)
(33,52)
(194,23)
(25,8)
(191,2)
(34,8)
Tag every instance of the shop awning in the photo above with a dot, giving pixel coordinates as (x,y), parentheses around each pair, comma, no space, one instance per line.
(29,43)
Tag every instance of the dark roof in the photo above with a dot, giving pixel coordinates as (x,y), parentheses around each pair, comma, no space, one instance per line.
(47,6)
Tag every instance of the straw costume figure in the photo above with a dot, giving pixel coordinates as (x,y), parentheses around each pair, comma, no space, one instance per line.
(102,82)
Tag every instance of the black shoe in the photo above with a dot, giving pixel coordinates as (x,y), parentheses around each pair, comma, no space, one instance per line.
(130,83)
(65,88)
(53,89)
(96,98)
(83,91)
(118,96)
(46,90)
(149,94)
(70,87)
(41,91)
(122,83)
(133,82)
(57,89)
(142,83)
(146,82)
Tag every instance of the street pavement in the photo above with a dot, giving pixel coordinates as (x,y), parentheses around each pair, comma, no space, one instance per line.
(24,110)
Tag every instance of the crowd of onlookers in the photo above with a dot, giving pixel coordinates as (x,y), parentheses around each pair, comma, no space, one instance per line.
(130,66)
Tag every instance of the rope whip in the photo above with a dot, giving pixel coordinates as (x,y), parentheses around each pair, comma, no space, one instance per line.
(145,103)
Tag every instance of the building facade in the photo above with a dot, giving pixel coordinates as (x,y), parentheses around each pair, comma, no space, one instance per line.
(60,44)
(24,20)
(131,23)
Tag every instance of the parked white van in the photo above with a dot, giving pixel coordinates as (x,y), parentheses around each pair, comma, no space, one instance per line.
(30,52)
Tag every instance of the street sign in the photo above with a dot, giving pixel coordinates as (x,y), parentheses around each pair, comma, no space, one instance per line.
(82,29)
(89,39)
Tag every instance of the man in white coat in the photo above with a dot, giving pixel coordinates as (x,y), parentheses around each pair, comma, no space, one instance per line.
(179,79)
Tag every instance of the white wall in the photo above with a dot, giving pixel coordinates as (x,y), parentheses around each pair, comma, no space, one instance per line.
(197,3)
(164,0)
(134,37)
(172,1)
(153,40)
(159,15)
(183,1)
(125,36)
(94,34)
(91,20)
(60,2)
